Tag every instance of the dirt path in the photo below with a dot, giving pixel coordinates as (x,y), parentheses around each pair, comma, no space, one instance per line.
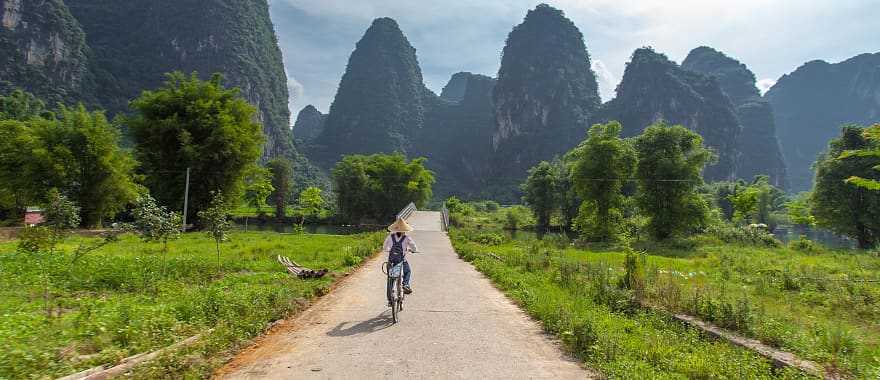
(454,325)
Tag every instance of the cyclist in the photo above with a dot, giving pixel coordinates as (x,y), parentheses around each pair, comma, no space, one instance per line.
(397,244)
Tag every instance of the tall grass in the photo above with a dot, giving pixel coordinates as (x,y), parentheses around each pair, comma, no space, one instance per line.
(57,318)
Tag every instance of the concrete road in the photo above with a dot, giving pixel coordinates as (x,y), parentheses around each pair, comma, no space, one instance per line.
(454,325)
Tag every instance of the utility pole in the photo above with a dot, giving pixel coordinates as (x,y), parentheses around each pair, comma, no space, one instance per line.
(186,200)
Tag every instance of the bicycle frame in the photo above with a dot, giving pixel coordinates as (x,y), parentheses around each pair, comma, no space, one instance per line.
(394,288)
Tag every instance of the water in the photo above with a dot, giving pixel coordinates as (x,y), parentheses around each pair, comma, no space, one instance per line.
(309,228)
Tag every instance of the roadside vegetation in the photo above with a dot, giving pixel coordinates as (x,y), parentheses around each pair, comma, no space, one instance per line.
(128,297)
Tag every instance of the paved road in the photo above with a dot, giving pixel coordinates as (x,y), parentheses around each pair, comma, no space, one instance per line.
(454,325)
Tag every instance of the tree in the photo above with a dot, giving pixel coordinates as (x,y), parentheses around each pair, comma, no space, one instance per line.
(258,186)
(842,207)
(310,204)
(603,165)
(374,188)
(61,215)
(282,172)
(79,154)
(23,106)
(871,135)
(216,221)
(800,210)
(155,223)
(201,125)
(669,170)
(541,193)
(745,204)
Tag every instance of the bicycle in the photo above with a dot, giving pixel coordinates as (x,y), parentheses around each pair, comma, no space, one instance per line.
(394,289)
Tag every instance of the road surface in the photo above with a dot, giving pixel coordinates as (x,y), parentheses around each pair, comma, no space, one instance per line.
(454,325)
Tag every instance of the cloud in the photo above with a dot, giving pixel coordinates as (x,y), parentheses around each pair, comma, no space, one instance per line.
(607,80)
(296,91)
(765,84)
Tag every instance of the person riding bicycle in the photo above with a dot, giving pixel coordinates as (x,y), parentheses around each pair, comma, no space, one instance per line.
(397,244)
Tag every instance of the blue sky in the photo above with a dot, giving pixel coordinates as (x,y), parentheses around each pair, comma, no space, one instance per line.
(771,37)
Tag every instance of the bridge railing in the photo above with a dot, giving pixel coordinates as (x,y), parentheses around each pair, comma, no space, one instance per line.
(407,211)
(445,212)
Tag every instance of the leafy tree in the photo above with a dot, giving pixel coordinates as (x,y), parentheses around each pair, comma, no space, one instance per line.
(800,210)
(541,193)
(216,221)
(282,171)
(374,188)
(670,163)
(258,186)
(745,203)
(79,154)
(603,164)
(842,207)
(23,106)
(310,204)
(201,125)
(156,223)
(871,135)
(721,192)
(61,216)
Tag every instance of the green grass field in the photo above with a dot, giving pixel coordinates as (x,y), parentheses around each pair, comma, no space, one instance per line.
(813,304)
(129,297)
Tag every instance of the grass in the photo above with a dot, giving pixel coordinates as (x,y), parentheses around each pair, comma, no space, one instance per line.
(129,297)
(804,302)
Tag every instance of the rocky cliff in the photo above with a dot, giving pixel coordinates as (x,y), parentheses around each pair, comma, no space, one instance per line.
(309,124)
(545,95)
(654,88)
(380,104)
(44,51)
(813,102)
(758,149)
(457,138)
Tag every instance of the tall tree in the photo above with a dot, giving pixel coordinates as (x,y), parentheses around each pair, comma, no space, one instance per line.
(541,192)
(669,170)
(603,165)
(374,188)
(844,207)
(22,106)
(872,135)
(201,125)
(282,172)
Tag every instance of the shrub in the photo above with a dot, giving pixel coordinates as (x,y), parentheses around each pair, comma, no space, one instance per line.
(804,245)
(489,238)
(634,276)
(755,236)
(34,239)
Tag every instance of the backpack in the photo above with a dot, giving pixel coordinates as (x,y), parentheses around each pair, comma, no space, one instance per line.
(395,255)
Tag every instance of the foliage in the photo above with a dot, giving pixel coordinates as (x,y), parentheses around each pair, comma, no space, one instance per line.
(745,204)
(744,235)
(374,188)
(603,165)
(804,245)
(215,218)
(800,210)
(872,135)
(282,172)
(517,218)
(61,215)
(670,161)
(542,193)
(844,207)
(258,186)
(23,106)
(154,223)
(78,154)
(123,300)
(201,125)
(310,204)
(34,239)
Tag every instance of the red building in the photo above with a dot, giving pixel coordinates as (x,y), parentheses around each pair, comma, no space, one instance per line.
(33,216)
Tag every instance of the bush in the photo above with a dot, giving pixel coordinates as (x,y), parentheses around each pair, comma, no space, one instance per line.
(34,239)
(804,245)
(747,236)
(489,238)
(518,217)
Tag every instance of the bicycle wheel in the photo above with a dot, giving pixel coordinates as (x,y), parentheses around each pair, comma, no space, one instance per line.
(395,304)
(401,295)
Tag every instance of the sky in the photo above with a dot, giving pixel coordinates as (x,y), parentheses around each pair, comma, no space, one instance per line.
(772,37)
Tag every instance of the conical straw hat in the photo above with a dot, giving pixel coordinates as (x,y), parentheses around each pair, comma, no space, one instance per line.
(400,226)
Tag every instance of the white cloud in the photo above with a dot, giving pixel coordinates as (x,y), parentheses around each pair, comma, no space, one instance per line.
(765,84)
(607,80)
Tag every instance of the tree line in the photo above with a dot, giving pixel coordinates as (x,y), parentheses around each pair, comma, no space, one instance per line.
(609,186)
